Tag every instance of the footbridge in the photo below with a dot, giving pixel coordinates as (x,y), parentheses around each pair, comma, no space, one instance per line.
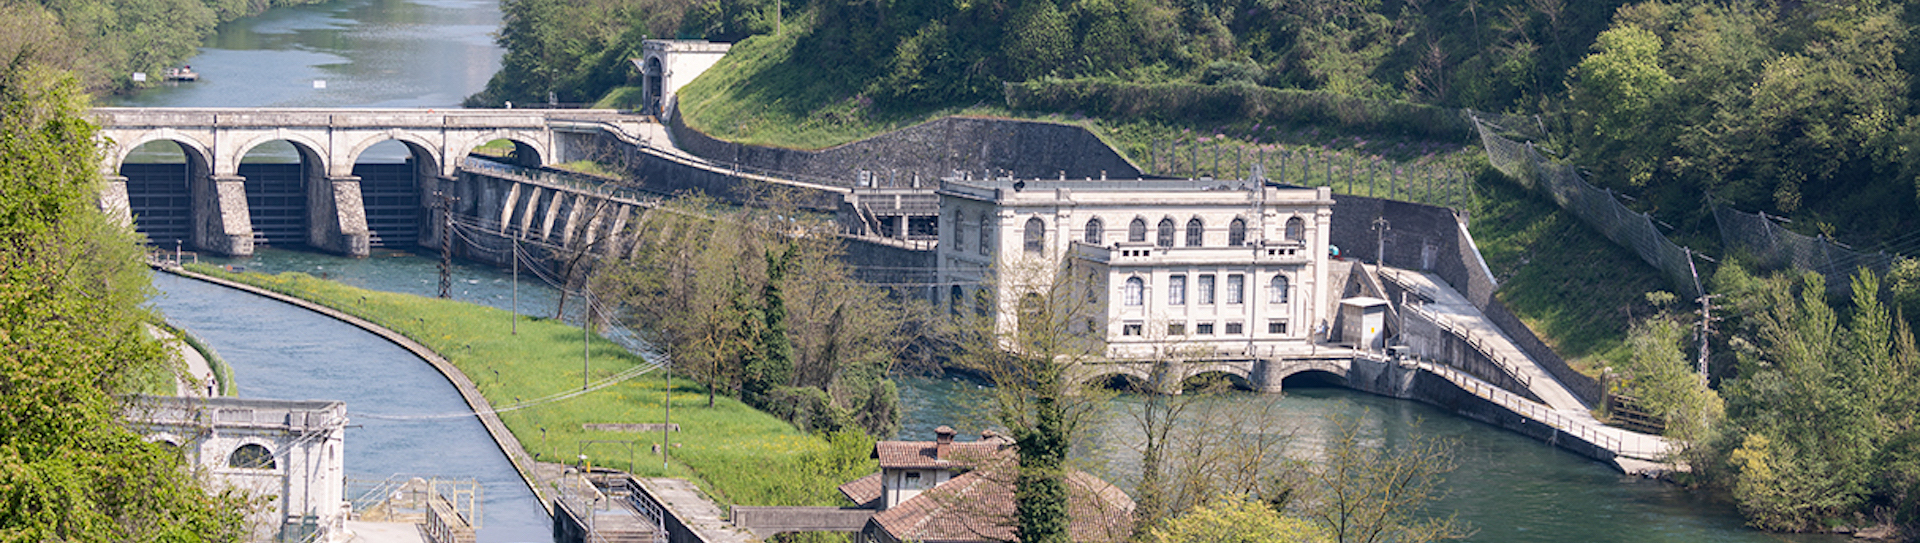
(221,199)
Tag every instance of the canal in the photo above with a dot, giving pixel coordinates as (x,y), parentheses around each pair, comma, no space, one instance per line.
(1509,488)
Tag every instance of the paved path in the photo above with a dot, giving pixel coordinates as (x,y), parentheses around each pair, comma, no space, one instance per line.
(195,378)
(700,514)
(1562,409)
(382,532)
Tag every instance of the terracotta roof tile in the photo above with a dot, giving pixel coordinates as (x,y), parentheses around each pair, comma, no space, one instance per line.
(865,491)
(978,506)
(924,454)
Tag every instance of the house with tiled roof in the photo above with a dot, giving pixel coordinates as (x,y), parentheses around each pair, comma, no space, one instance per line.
(944,491)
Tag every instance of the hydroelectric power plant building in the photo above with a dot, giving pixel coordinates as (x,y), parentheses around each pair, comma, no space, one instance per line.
(1223,270)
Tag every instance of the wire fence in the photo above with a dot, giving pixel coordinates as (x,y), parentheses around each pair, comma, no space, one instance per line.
(1774,247)
(1346,171)
(1598,207)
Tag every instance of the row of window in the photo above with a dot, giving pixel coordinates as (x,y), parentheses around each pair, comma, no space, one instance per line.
(1279,290)
(1276,326)
(1034,236)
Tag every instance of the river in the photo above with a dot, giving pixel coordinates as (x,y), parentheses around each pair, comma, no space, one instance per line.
(432,53)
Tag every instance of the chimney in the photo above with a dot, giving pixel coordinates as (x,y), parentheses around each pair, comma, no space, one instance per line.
(942,440)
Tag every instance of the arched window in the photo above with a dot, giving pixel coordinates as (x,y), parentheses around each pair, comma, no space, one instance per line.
(1166,233)
(1136,291)
(986,235)
(1278,290)
(1237,232)
(1196,232)
(1137,230)
(954,297)
(251,456)
(1094,227)
(1296,229)
(959,234)
(1036,235)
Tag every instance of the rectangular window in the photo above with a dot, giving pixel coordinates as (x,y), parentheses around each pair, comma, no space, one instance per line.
(1236,288)
(1205,288)
(1205,329)
(1130,329)
(1234,329)
(1177,329)
(1276,327)
(1177,290)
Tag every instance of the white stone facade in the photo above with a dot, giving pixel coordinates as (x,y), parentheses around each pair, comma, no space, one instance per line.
(1229,270)
(667,65)
(286,453)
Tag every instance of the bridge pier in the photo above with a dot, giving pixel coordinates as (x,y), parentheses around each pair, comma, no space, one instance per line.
(336,216)
(222,223)
(1267,374)
(113,200)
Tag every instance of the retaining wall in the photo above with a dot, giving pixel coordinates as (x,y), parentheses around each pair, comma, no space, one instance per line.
(1391,379)
(930,150)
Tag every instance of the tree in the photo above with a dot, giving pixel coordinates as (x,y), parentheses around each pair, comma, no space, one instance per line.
(1029,347)
(71,288)
(1664,380)
(1360,492)
(1232,518)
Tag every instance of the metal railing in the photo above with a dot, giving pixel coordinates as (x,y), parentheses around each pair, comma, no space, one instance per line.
(1594,432)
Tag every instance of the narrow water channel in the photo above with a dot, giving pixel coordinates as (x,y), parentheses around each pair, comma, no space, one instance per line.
(396,403)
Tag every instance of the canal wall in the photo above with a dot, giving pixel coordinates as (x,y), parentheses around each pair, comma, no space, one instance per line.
(509,445)
(1409,380)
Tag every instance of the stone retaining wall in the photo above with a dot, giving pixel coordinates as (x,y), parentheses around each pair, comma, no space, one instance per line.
(930,150)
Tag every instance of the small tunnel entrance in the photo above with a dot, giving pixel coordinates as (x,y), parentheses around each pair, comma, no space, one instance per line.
(276,174)
(389,175)
(159,191)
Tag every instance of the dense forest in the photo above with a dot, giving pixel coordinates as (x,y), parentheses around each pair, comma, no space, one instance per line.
(104,42)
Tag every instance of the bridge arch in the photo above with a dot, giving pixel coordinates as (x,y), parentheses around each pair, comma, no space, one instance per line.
(1331,370)
(197,152)
(1236,380)
(1099,374)
(421,148)
(159,191)
(312,152)
(529,148)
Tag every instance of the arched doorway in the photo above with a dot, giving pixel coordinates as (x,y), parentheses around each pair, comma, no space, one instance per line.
(278,175)
(160,176)
(653,104)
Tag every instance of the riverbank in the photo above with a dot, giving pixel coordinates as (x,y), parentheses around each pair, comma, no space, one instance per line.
(733,453)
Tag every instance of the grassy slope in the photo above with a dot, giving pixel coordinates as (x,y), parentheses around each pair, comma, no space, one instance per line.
(738,454)
(1575,288)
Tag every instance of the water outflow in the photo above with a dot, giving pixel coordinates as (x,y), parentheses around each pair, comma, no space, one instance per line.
(280,351)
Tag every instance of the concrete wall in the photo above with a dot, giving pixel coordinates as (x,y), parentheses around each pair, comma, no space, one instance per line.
(1430,238)
(931,150)
(1388,378)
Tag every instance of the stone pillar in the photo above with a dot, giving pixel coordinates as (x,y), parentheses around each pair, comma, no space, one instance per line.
(113,200)
(573,220)
(614,238)
(336,218)
(526,212)
(553,211)
(506,206)
(1266,374)
(222,224)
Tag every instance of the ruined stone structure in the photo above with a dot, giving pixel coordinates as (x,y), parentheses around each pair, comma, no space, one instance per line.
(287,452)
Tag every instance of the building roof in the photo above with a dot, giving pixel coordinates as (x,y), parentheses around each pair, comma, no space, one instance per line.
(929,455)
(865,491)
(978,506)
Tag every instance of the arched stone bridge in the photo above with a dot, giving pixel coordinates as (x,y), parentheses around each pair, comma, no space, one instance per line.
(1263,375)
(213,207)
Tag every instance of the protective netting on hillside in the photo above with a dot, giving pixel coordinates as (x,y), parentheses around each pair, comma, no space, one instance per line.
(1774,247)
(1596,206)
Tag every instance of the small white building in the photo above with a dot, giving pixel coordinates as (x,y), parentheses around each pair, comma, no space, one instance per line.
(286,452)
(667,65)
(1219,269)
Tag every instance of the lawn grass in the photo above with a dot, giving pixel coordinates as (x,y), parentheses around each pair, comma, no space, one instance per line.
(736,454)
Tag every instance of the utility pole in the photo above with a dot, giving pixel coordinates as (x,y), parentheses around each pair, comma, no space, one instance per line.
(446,243)
(1706,317)
(666,426)
(586,337)
(1380,228)
(513,317)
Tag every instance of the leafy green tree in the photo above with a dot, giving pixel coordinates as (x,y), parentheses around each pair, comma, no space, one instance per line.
(1235,519)
(1663,378)
(71,288)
